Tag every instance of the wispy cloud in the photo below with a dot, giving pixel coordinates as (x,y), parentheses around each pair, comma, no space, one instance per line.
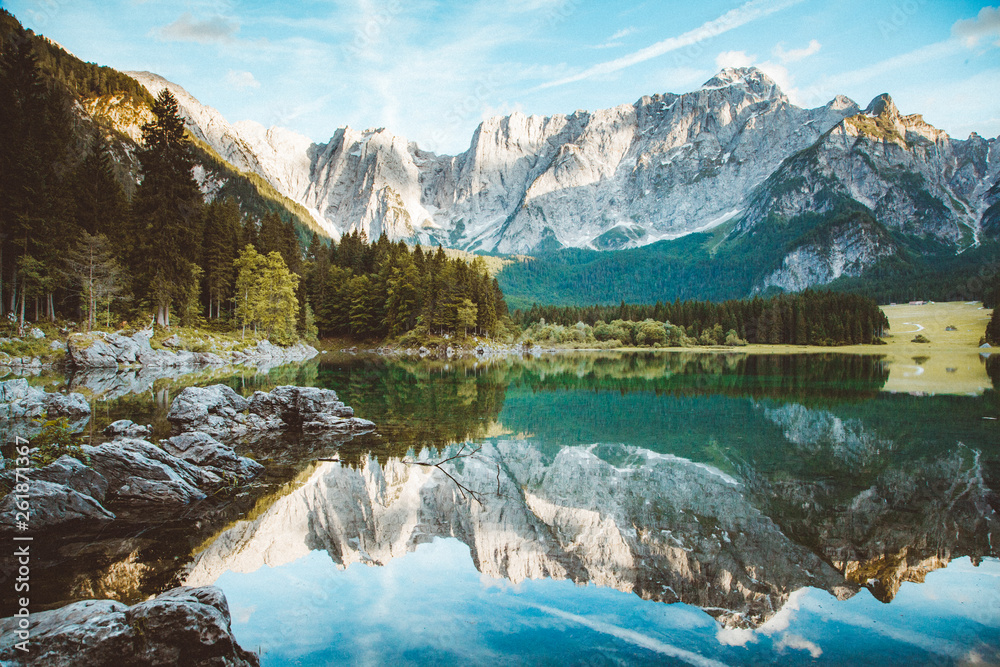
(633,637)
(902,62)
(985,25)
(615,39)
(238,80)
(734,18)
(187,29)
(795,55)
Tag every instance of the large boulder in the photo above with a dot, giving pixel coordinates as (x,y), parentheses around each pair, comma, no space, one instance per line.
(16,390)
(203,450)
(72,473)
(212,410)
(51,505)
(295,406)
(139,471)
(184,626)
(222,413)
(126,428)
(23,408)
(19,400)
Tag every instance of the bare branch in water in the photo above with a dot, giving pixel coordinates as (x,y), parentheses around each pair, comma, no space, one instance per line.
(460,454)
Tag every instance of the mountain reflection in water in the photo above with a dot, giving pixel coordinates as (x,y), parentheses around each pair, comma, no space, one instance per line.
(738,489)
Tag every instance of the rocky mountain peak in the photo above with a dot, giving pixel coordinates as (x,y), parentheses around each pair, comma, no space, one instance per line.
(751,78)
(883,105)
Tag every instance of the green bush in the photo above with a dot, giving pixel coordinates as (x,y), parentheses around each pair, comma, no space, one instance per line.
(54,441)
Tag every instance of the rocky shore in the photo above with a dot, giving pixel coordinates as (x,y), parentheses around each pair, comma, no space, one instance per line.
(183,626)
(182,469)
(130,481)
(121,350)
(117,350)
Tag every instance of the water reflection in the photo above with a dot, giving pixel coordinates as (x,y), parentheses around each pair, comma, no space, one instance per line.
(723,481)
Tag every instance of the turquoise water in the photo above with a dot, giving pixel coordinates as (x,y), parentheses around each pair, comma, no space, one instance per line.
(619,508)
(630,509)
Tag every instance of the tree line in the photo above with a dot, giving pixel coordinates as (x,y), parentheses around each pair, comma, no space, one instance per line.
(806,318)
(374,290)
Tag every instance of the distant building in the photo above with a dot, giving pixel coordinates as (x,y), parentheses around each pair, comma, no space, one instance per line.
(918,303)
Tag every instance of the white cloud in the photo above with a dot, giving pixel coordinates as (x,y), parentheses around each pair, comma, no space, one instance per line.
(187,29)
(624,32)
(901,63)
(734,59)
(241,80)
(615,39)
(796,642)
(795,55)
(985,25)
(734,18)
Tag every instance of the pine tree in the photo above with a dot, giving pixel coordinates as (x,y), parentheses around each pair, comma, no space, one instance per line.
(221,239)
(166,211)
(100,205)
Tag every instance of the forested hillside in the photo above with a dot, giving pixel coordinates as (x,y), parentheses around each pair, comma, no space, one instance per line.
(77,243)
(713,266)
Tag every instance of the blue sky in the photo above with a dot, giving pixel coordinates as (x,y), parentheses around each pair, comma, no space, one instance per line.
(431,70)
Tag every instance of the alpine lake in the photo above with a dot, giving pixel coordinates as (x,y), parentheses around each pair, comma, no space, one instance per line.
(583,508)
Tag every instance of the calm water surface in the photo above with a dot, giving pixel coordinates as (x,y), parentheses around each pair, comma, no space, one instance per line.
(593,509)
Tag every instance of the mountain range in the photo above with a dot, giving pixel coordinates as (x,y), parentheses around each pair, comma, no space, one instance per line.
(822,193)
(720,192)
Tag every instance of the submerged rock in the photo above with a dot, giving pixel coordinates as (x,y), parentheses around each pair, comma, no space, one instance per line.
(220,412)
(126,428)
(23,408)
(184,626)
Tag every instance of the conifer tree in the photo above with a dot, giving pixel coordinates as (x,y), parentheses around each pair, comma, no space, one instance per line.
(166,212)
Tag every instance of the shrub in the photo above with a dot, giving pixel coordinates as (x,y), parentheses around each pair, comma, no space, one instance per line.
(54,441)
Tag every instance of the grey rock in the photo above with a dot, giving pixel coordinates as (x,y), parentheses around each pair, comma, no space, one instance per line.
(158,491)
(297,405)
(203,450)
(218,411)
(127,429)
(66,405)
(174,341)
(52,505)
(36,333)
(212,409)
(184,626)
(72,473)
(140,471)
(15,390)
(23,407)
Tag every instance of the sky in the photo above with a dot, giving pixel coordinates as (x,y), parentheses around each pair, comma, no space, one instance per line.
(432,70)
